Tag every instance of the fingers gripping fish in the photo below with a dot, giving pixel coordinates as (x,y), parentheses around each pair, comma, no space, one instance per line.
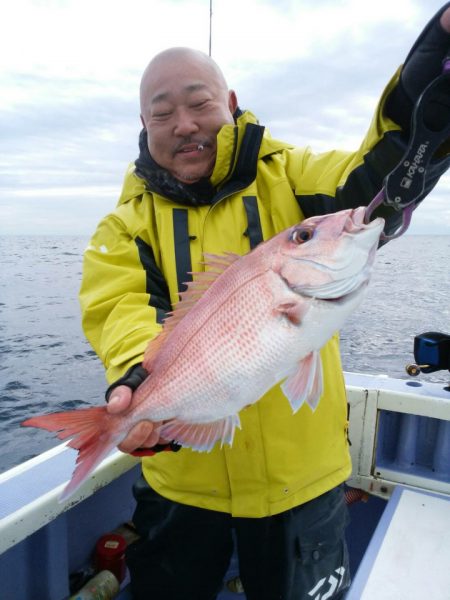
(243,325)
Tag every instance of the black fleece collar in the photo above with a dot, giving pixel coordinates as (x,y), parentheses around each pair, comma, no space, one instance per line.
(159,180)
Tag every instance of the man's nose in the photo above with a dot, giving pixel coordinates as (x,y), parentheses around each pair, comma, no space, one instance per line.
(186,123)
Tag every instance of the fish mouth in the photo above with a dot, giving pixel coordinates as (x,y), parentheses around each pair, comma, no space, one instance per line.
(356,223)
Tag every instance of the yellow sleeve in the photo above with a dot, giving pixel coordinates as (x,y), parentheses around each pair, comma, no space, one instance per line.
(123,295)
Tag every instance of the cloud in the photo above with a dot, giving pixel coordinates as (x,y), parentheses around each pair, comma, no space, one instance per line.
(312,71)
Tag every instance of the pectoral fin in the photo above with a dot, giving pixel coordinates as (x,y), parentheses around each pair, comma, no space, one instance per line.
(201,436)
(293,311)
(305,384)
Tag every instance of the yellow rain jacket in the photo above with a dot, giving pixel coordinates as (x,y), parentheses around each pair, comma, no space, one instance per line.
(139,258)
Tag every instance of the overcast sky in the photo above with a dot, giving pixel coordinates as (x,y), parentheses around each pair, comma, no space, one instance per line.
(311,70)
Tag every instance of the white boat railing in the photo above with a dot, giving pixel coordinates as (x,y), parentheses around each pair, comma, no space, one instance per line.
(399,433)
(29,492)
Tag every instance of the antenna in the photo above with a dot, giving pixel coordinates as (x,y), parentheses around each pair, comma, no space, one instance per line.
(210,25)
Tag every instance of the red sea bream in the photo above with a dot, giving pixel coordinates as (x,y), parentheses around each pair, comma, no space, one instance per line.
(242,326)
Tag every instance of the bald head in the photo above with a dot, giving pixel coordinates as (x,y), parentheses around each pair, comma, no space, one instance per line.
(185,101)
(174,60)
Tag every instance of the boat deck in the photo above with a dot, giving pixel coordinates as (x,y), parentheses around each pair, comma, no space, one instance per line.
(400,435)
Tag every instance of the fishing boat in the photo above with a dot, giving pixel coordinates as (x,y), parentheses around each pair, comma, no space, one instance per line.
(398,496)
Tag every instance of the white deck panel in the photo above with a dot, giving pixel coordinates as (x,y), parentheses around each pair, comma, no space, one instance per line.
(409,556)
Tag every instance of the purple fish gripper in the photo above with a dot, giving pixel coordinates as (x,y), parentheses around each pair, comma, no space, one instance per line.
(381,198)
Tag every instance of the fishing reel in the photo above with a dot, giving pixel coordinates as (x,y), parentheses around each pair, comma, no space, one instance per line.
(431,353)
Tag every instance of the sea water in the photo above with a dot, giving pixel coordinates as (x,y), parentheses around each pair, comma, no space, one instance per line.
(47,365)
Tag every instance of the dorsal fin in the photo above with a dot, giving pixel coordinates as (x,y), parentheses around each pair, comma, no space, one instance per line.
(152,350)
(195,289)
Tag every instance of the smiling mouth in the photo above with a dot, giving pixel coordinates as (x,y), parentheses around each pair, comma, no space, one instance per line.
(191,149)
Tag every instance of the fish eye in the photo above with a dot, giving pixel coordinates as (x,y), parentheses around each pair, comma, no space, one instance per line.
(302,235)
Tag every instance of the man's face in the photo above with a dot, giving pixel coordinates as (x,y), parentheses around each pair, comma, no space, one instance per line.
(184,105)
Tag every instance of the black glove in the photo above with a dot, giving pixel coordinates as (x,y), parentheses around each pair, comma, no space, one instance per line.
(423,64)
(169,447)
(133,379)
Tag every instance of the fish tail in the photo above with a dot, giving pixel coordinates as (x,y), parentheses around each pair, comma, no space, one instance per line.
(93,432)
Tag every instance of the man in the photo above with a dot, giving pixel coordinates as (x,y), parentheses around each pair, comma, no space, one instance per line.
(210,179)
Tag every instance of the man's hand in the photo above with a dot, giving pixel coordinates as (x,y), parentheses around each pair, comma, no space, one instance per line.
(422,65)
(142,435)
(445,20)
(424,61)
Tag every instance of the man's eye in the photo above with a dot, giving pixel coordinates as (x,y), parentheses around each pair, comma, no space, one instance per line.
(200,104)
(161,115)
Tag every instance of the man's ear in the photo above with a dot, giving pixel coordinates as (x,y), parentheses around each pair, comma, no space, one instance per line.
(232,101)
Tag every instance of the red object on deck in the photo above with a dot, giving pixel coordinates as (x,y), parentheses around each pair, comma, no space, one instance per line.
(110,555)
